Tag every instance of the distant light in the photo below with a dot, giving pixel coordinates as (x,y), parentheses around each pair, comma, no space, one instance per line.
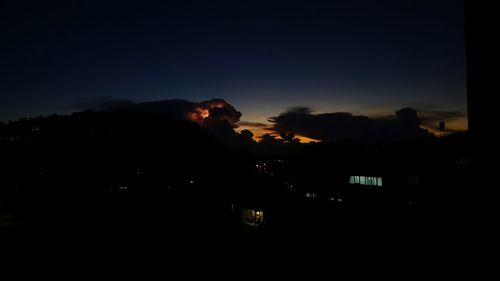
(191,181)
(123,187)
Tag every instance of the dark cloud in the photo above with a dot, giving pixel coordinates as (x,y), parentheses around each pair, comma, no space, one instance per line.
(405,124)
(215,115)
(220,110)
(247,134)
(299,110)
(430,115)
(252,124)
(204,113)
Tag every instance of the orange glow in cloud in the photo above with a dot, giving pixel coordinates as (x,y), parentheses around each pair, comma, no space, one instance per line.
(217,104)
(306,139)
(202,112)
(198,115)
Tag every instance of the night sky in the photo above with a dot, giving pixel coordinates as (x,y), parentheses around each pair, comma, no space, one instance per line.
(263,57)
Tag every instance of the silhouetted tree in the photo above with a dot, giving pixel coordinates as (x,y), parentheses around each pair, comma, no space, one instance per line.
(247,134)
(287,138)
(441,127)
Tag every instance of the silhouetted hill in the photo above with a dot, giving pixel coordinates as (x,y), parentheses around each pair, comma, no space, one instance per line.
(140,176)
(61,160)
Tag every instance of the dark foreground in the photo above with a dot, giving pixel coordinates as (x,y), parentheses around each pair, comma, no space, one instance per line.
(132,220)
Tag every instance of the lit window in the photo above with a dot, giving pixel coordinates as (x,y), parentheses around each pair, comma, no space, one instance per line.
(310,195)
(371,181)
(362,180)
(252,217)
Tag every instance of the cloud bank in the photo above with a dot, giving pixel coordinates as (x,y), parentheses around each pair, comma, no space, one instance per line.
(339,126)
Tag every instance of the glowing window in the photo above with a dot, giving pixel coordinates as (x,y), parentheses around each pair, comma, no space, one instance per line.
(363,180)
(369,181)
(311,195)
(252,217)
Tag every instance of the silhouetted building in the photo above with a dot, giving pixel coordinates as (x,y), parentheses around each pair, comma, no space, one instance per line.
(482,68)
